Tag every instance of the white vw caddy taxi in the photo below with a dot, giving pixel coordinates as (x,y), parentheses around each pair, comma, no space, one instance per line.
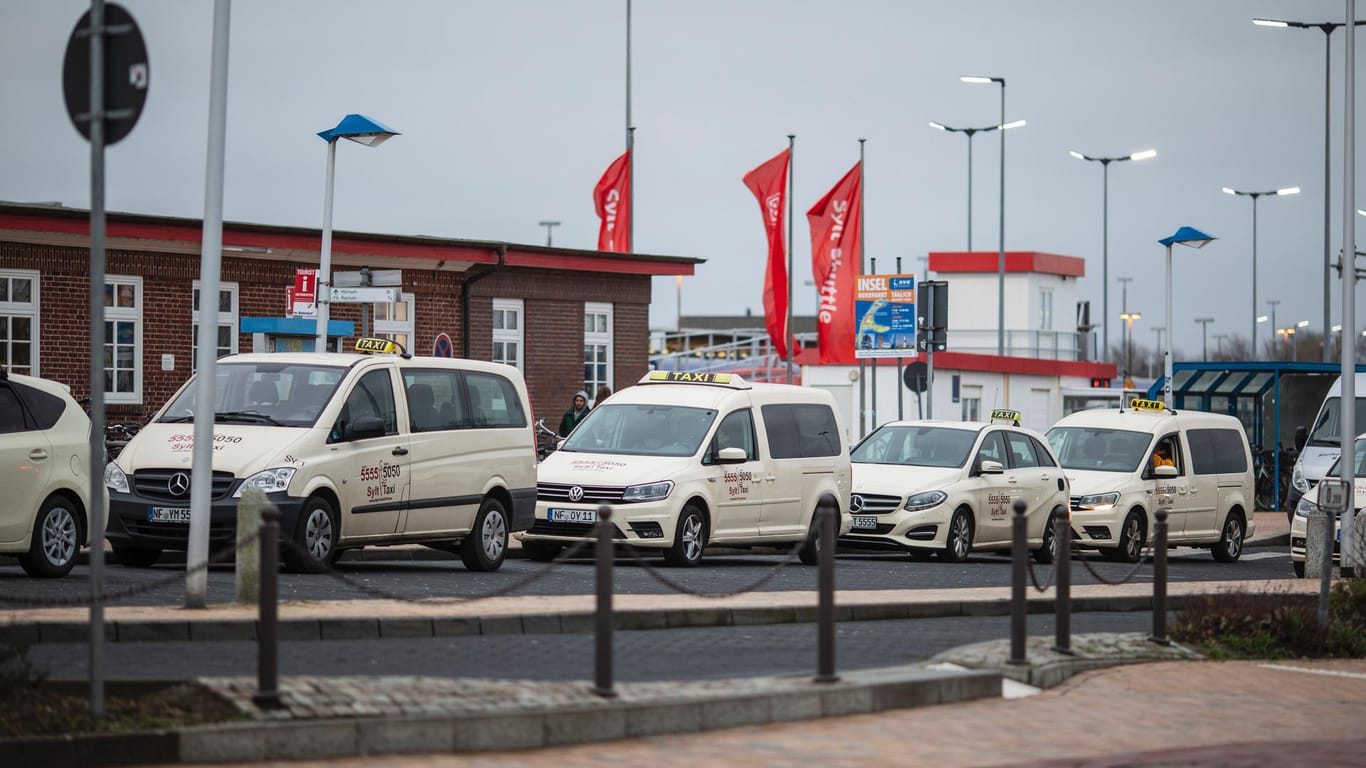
(1118,483)
(353,449)
(949,487)
(691,459)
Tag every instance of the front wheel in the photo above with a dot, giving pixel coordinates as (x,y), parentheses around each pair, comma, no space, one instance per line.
(1230,545)
(1131,537)
(56,540)
(487,544)
(690,537)
(315,542)
(958,543)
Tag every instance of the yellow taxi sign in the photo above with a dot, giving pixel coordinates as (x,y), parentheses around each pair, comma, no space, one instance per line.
(1147,405)
(373,346)
(692,377)
(1005,414)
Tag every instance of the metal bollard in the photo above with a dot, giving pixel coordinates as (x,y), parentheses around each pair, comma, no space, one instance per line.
(1062,562)
(1019,550)
(602,639)
(1160,578)
(248,572)
(267,630)
(827,521)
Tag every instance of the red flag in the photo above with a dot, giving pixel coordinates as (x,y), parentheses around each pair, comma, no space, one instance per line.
(768,182)
(612,198)
(836,249)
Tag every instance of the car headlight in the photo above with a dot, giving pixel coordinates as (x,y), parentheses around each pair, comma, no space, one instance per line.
(114,479)
(1098,501)
(1306,507)
(648,491)
(1298,479)
(269,481)
(918,501)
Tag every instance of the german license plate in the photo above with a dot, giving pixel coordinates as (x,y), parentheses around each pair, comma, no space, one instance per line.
(168,515)
(572,515)
(864,522)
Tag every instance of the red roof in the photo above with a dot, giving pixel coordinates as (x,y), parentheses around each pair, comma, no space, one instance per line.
(950,262)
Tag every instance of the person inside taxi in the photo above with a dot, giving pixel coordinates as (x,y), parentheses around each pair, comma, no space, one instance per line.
(575,414)
(1162,456)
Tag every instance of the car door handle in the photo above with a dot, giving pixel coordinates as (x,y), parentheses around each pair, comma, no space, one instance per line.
(772,478)
(400,451)
(37,454)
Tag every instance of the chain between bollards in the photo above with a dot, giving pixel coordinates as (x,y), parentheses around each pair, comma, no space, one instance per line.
(602,637)
(1019,550)
(1159,635)
(827,521)
(1062,564)
(267,632)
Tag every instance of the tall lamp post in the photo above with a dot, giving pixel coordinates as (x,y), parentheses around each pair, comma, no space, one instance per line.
(364,131)
(1285,334)
(1295,348)
(1219,341)
(1129,318)
(1204,337)
(1327,29)
(1191,238)
(1105,231)
(1254,195)
(1001,260)
(970,132)
(1123,308)
(549,227)
(1157,331)
(1272,303)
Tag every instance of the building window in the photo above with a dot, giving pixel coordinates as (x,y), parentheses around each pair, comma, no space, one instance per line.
(122,339)
(597,347)
(226,338)
(1045,309)
(395,321)
(19,321)
(507,332)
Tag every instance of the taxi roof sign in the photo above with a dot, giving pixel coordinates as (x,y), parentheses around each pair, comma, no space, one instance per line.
(695,377)
(369,346)
(1147,405)
(1005,414)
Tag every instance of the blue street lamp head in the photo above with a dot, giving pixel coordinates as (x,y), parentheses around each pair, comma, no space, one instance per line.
(1189,237)
(360,129)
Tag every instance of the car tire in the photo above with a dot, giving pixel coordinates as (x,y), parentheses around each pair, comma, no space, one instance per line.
(958,541)
(1299,569)
(690,538)
(541,551)
(56,540)
(314,546)
(810,551)
(1132,535)
(487,545)
(1229,547)
(1048,550)
(137,557)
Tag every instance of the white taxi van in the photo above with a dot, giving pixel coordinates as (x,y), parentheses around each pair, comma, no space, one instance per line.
(353,449)
(687,459)
(1123,464)
(44,474)
(949,487)
(1309,502)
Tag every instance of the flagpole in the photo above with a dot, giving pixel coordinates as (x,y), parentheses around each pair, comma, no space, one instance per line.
(862,369)
(787,327)
(630,145)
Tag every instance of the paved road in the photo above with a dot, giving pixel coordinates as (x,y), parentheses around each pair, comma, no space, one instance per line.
(646,655)
(420,579)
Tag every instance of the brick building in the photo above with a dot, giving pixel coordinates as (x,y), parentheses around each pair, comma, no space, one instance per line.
(567,318)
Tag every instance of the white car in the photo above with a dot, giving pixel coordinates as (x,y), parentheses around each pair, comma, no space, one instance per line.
(1308,504)
(948,487)
(44,474)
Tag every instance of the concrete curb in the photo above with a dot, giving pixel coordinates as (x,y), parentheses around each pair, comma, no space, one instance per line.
(532,727)
(1048,667)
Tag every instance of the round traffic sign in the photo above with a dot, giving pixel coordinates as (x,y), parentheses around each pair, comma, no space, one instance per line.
(443,347)
(915,375)
(125,74)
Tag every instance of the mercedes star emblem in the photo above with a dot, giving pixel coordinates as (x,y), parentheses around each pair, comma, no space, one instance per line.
(179,484)
(856,503)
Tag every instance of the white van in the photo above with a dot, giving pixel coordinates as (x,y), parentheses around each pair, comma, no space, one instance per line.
(353,449)
(1308,504)
(691,459)
(1323,442)
(1124,463)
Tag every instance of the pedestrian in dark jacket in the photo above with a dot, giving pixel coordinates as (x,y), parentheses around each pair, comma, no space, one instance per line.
(575,414)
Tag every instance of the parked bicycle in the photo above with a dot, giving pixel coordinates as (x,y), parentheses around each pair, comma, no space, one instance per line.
(547,440)
(1272,488)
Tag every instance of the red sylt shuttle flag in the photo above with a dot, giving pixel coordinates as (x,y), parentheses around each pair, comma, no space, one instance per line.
(612,198)
(836,249)
(768,182)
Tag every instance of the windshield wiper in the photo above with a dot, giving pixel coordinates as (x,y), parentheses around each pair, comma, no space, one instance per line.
(177,419)
(249,416)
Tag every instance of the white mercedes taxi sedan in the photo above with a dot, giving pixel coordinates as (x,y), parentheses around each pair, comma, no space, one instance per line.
(948,487)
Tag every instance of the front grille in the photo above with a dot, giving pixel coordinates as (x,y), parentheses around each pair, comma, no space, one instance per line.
(877,504)
(592,494)
(154,484)
(577,530)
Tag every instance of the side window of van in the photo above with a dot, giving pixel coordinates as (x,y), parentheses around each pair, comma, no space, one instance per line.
(373,395)
(434,401)
(1166,453)
(1021,451)
(736,431)
(993,449)
(493,401)
(801,431)
(1216,451)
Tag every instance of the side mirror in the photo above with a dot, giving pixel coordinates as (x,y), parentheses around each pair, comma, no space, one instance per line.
(731,456)
(1301,437)
(990,467)
(1166,470)
(365,428)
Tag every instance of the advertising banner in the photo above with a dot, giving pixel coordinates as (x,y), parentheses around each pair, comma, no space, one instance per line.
(884,316)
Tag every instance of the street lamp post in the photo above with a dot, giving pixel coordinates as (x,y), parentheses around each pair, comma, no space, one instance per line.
(1105,231)
(1285,334)
(1272,303)
(970,132)
(1219,340)
(1157,330)
(1254,195)
(1295,347)
(1327,29)
(364,131)
(1191,238)
(1001,260)
(549,227)
(1129,318)
(1204,337)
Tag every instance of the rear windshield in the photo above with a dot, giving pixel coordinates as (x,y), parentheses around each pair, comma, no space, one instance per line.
(1099,450)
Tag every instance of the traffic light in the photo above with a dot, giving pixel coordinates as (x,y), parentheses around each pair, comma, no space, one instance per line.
(1098,382)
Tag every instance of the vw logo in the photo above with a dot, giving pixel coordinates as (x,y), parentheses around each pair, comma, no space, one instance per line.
(179,484)
(576,493)
(856,503)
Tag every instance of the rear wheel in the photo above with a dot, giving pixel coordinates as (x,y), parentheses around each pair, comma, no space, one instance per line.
(56,540)
(1048,550)
(487,545)
(315,542)
(959,541)
(136,557)
(690,538)
(541,551)
(1230,545)
(1299,569)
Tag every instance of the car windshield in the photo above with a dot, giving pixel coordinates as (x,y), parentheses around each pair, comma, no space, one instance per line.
(1328,429)
(916,446)
(641,430)
(1336,470)
(1099,450)
(277,394)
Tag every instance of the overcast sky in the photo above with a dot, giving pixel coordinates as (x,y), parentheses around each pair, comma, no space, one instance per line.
(511,110)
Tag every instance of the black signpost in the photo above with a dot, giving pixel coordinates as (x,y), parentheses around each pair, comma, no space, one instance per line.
(932,323)
(916,377)
(104,82)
